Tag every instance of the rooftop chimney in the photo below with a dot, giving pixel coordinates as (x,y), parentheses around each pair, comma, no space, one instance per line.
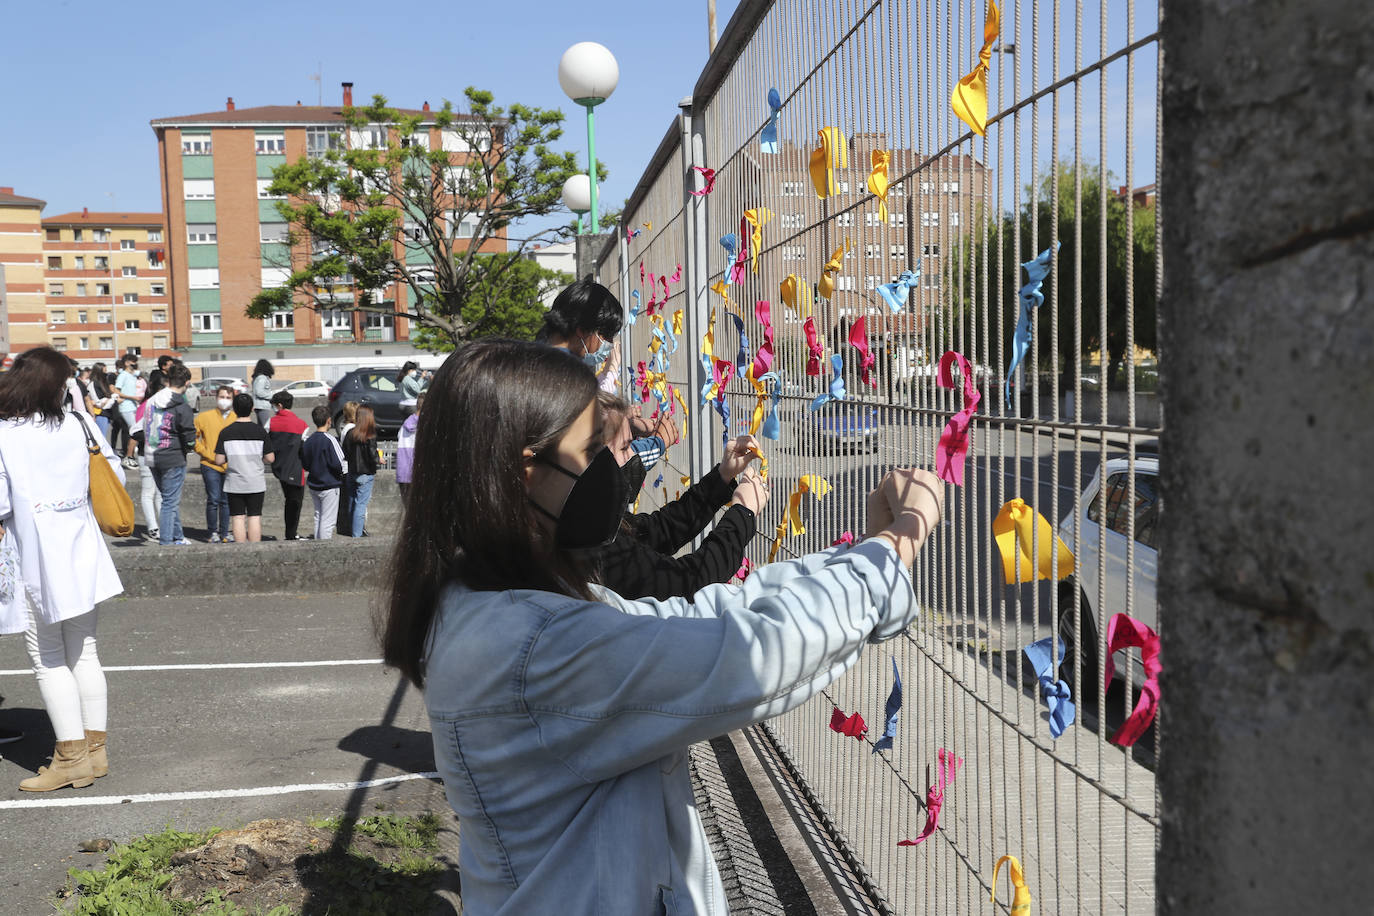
(6,190)
(229,105)
(425,107)
(85,211)
(348,94)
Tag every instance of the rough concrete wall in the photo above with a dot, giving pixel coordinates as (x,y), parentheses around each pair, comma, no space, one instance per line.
(1266,579)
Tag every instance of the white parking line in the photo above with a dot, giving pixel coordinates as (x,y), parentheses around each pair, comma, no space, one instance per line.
(77,801)
(221,666)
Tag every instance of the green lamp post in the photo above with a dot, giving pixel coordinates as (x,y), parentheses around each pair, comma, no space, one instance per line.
(588,74)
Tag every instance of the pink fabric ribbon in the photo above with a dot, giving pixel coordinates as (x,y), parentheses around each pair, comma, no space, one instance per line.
(847,538)
(710,176)
(763,358)
(947,768)
(850,726)
(1125,632)
(642,380)
(741,253)
(813,361)
(953,451)
(723,370)
(745,568)
(858,338)
(653,293)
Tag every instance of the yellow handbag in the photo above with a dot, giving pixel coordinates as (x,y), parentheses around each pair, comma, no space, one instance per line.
(114,510)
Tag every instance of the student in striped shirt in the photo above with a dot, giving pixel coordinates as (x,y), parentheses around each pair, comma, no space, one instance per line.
(243,446)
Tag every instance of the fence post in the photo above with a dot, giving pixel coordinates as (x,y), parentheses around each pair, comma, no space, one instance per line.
(697,275)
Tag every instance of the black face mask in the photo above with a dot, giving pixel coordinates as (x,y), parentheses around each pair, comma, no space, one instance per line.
(634,473)
(595,505)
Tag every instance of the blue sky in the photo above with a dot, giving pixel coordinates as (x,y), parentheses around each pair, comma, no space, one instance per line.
(80,80)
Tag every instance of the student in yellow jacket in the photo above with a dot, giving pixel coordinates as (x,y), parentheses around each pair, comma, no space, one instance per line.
(209,424)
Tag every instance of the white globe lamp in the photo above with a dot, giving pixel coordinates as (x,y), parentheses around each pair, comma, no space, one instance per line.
(577,197)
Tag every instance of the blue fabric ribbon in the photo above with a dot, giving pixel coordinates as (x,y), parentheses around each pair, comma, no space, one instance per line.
(1031,298)
(742,359)
(634,309)
(768,137)
(710,379)
(1056,692)
(896,293)
(730,242)
(771,428)
(723,408)
(837,392)
(658,482)
(894,706)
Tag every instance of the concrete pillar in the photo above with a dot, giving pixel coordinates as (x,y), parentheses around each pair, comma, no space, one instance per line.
(1266,575)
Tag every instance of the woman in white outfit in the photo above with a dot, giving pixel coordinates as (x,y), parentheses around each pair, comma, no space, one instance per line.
(54,565)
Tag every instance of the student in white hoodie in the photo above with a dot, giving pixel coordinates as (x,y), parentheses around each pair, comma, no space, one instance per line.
(169,432)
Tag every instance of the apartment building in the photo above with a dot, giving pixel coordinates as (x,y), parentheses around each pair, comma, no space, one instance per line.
(23,322)
(226,240)
(105,282)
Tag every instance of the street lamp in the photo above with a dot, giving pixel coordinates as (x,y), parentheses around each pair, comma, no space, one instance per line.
(577,197)
(588,74)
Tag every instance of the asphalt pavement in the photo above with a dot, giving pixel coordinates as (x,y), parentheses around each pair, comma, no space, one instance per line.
(223,710)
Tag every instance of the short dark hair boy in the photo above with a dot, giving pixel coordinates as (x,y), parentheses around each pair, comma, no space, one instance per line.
(243,404)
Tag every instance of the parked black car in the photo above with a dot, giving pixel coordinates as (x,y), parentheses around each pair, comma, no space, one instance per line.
(376,388)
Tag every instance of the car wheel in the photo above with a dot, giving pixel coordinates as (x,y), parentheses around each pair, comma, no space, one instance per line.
(1078,654)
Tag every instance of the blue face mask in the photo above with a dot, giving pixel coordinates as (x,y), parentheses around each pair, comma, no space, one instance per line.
(602,354)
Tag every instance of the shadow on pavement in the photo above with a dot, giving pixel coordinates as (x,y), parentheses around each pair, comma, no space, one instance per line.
(34,749)
(403,748)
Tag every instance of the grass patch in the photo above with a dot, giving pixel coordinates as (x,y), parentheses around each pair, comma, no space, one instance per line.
(388,867)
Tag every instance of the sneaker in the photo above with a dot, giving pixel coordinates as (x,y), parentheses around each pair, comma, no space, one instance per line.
(130,463)
(10,735)
(214,537)
(181,543)
(228,539)
(153,533)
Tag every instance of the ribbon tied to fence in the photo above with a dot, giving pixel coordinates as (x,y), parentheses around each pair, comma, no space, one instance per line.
(836,392)
(1031,297)
(763,358)
(809,483)
(768,137)
(1125,632)
(1058,697)
(953,450)
(880,160)
(894,700)
(833,152)
(1020,897)
(970,97)
(730,242)
(832,269)
(1023,534)
(791,290)
(852,726)
(757,218)
(896,293)
(708,180)
(858,339)
(946,767)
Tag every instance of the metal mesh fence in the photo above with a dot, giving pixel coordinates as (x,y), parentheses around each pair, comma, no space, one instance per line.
(1067,165)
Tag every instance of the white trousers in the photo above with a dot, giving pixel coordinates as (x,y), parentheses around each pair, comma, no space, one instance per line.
(70,678)
(326,504)
(149,495)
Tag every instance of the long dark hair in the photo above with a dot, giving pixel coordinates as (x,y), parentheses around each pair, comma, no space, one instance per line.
(263,367)
(405,368)
(468,518)
(100,380)
(36,384)
(365,426)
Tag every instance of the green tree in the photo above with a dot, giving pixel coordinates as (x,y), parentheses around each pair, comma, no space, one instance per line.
(512,308)
(378,210)
(965,271)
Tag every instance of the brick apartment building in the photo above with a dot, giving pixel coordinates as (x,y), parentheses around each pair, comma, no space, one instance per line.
(23,321)
(226,241)
(105,280)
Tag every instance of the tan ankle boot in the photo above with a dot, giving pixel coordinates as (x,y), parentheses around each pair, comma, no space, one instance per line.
(70,767)
(95,750)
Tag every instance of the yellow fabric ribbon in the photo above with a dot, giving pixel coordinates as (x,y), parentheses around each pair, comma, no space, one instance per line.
(761,391)
(685,480)
(708,340)
(877,179)
(763,460)
(656,342)
(677,322)
(832,269)
(682,401)
(833,152)
(721,290)
(648,227)
(1021,898)
(809,483)
(790,289)
(1018,527)
(970,97)
(756,218)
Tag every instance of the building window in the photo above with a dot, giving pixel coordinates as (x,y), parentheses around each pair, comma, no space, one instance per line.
(101,235)
(931,281)
(793,220)
(54,235)
(332,320)
(845,219)
(794,252)
(160,342)
(467,226)
(195,145)
(159,316)
(127,245)
(927,187)
(791,189)
(80,262)
(954,219)
(59,316)
(102,317)
(870,282)
(81,317)
(843,282)
(844,187)
(273,232)
(950,187)
(275,277)
(419,141)
(81,289)
(54,289)
(134,351)
(322,140)
(59,343)
(898,252)
(83,343)
(898,220)
(873,252)
(154,235)
(200,233)
(373,136)
(76,235)
(204,323)
(264,193)
(466,141)
(280,321)
(54,262)
(271,144)
(130,298)
(157,289)
(198,188)
(896,190)
(102,262)
(930,219)
(930,250)
(102,289)
(128,271)
(106,343)
(203,277)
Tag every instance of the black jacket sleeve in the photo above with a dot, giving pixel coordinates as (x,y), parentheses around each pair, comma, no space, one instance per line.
(669,528)
(186,426)
(633,569)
